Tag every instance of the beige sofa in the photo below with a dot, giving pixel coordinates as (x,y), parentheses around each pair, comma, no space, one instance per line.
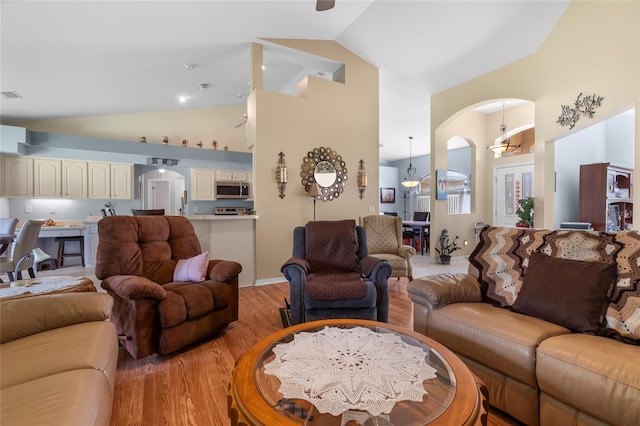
(517,333)
(58,357)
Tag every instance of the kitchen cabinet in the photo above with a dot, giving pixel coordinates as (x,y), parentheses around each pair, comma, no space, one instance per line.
(91,241)
(74,179)
(17,176)
(232,175)
(110,181)
(203,184)
(47,178)
(606,192)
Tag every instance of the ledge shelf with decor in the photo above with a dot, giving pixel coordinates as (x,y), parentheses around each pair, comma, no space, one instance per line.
(606,196)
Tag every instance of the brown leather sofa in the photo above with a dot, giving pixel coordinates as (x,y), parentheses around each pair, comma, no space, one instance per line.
(136,259)
(538,371)
(58,358)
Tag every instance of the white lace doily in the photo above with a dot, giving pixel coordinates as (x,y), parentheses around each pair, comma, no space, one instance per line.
(339,369)
(40,285)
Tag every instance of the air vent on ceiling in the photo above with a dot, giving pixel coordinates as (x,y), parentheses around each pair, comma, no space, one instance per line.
(203,86)
(11,95)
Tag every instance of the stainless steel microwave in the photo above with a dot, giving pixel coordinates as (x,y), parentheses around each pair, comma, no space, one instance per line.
(237,190)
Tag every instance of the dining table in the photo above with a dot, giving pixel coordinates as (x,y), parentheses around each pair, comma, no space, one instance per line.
(424,228)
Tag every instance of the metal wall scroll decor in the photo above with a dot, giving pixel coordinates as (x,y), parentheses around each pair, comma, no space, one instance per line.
(362,179)
(281,174)
(327,169)
(582,107)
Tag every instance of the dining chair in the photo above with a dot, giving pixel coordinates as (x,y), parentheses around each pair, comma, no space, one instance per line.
(7,227)
(25,243)
(150,212)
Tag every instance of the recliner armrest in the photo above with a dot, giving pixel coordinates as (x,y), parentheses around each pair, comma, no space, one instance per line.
(297,262)
(435,291)
(223,270)
(406,251)
(133,287)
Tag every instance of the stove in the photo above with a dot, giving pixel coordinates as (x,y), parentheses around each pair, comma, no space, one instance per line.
(230,211)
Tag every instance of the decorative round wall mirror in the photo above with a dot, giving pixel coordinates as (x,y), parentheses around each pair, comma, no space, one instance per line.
(324,167)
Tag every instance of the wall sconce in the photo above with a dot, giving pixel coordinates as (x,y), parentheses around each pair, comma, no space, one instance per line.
(281,175)
(362,179)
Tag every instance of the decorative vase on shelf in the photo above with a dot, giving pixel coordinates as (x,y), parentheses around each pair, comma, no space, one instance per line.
(445,259)
(523,225)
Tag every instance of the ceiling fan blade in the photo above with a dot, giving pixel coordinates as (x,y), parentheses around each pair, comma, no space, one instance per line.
(322,5)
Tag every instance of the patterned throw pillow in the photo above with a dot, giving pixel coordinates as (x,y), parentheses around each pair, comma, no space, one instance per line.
(193,269)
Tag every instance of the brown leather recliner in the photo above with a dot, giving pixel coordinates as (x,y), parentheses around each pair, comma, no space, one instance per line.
(136,260)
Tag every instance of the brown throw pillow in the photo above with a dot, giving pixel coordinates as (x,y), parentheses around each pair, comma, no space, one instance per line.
(571,293)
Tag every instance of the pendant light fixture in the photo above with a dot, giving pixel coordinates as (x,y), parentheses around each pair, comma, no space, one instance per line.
(410,181)
(505,144)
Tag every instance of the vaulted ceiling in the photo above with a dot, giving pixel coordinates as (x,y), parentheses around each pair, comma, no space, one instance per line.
(85,58)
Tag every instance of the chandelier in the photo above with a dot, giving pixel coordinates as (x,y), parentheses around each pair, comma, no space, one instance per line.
(505,145)
(410,181)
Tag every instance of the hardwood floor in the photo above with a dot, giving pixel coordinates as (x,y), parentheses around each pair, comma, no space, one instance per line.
(190,387)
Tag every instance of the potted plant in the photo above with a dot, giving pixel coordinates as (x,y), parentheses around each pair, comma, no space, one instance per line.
(525,212)
(446,246)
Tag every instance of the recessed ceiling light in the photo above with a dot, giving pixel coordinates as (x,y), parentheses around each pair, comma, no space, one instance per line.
(189,67)
(203,86)
(264,67)
(183,99)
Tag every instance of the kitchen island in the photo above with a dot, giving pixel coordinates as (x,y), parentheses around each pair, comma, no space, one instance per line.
(229,237)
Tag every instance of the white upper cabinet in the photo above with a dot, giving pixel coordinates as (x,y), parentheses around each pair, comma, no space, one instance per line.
(47,178)
(74,179)
(110,181)
(17,176)
(203,184)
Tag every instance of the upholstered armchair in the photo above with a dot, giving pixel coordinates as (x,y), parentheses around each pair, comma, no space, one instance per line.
(331,274)
(167,294)
(384,238)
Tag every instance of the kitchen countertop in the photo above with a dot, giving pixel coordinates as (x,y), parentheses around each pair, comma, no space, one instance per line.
(222,217)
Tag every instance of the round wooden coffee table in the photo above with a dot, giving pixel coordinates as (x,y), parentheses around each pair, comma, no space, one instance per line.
(47,285)
(454,397)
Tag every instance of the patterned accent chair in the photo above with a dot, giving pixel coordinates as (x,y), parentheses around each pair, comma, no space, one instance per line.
(136,259)
(384,238)
(331,274)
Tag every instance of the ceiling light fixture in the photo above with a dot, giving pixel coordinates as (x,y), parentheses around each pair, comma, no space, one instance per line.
(409,181)
(505,144)
(182,99)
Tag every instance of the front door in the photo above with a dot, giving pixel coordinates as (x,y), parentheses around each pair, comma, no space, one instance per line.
(511,183)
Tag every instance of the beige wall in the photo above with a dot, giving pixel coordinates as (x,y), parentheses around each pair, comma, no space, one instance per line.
(594,48)
(343,117)
(202,124)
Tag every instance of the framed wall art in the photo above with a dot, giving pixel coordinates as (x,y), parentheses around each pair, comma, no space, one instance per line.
(387,195)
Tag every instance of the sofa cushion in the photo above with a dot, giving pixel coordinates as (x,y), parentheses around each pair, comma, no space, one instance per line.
(596,375)
(75,397)
(193,269)
(188,301)
(335,286)
(503,340)
(571,293)
(96,342)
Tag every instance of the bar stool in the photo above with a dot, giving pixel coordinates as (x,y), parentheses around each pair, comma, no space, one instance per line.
(61,248)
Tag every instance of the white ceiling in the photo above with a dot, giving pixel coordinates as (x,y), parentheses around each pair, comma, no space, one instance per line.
(84,58)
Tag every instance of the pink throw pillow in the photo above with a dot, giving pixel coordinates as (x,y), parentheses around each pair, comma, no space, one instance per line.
(193,269)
